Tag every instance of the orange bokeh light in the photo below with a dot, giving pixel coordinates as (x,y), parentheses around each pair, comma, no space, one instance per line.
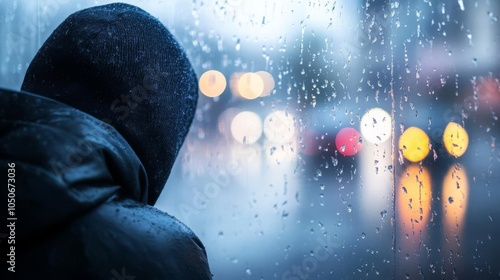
(413,196)
(455,197)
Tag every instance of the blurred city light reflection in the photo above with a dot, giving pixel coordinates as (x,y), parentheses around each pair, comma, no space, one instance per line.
(456,139)
(348,141)
(268,80)
(246,127)
(212,83)
(279,127)
(413,211)
(376,126)
(455,196)
(250,86)
(377,181)
(414,144)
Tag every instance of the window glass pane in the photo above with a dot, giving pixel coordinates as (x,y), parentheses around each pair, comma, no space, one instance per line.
(332,139)
(446,83)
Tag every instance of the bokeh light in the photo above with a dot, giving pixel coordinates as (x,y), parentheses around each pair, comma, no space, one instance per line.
(348,141)
(279,127)
(376,126)
(454,200)
(212,83)
(455,197)
(250,86)
(488,92)
(413,213)
(280,157)
(414,144)
(377,193)
(268,80)
(414,199)
(246,127)
(455,139)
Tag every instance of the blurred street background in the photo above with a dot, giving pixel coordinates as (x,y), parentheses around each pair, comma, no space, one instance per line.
(332,139)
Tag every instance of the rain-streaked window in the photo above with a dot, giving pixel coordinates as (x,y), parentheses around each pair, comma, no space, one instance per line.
(332,139)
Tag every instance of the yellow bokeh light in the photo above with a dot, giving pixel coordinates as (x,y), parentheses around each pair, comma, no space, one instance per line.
(250,86)
(246,127)
(414,199)
(455,197)
(455,139)
(414,144)
(212,83)
(268,80)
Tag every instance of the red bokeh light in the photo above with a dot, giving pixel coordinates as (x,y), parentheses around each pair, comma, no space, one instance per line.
(348,141)
(488,92)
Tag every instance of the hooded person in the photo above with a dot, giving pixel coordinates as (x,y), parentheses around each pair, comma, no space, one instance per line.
(89,143)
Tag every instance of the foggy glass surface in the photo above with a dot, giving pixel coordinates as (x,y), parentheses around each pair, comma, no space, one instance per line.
(261,179)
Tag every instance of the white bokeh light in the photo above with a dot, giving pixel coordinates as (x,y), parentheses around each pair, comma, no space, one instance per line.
(376,126)
(279,127)
(246,127)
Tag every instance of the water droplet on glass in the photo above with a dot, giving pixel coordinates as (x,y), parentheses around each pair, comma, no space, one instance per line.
(461,4)
(284,214)
(238,45)
(492,16)
(383,214)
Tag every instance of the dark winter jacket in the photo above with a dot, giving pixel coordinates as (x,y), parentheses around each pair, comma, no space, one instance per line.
(90,147)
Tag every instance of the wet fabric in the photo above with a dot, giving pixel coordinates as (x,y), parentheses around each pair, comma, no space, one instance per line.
(111,97)
(121,65)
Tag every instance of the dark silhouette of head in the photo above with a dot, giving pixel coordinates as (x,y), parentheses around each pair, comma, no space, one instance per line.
(121,65)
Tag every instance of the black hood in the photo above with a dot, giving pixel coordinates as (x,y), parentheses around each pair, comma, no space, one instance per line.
(64,160)
(121,65)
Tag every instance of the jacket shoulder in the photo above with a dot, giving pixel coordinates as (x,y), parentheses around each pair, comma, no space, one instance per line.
(127,239)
